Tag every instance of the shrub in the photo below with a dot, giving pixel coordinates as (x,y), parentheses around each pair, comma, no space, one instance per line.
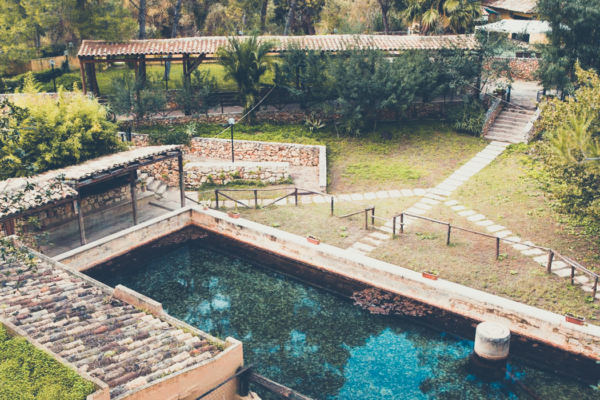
(17,83)
(56,133)
(468,117)
(29,373)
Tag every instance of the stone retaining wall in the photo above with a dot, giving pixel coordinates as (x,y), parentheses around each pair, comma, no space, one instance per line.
(491,115)
(223,173)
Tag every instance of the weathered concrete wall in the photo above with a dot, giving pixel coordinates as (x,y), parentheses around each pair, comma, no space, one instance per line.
(222,173)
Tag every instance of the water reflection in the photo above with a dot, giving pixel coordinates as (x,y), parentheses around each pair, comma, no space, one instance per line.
(318,343)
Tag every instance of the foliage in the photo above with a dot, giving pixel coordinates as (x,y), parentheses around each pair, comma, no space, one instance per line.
(468,117)
(574,37)
(313,122)
(29,373)
(171,136)
(457,16)
(138,98)
(44,133)
(302,73)
(198,95)
(245,62)
(16,83)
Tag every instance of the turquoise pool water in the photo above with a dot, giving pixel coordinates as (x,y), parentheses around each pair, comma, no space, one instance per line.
(321,344)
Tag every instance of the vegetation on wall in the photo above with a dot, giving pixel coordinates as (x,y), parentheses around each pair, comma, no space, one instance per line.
(27,373)
(40,133)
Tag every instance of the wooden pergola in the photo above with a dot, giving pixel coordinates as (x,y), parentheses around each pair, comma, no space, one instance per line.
(191,52)
(102,170)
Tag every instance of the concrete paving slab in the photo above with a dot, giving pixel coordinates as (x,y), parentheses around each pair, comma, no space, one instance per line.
(357,196)
(458,208)
(467,213)
(499,144)
(435,197)
(451,203)
(423,206)
(503,234)
(533,252)
(414,210)
(476,217)
(441,192)
(385,229)
(513,239)
(541,259)
(446,186)
(495,228)
(464,173)
(432,202)
(344,197)
(407,192)
(453,182)
(380,236)
(306,199)
(581,279)
(420,192)
(371,241)
(382,194)
(487,222)
(363,247)
(457,177)
(370,196)
(563,273)
(395,193)
(319,199)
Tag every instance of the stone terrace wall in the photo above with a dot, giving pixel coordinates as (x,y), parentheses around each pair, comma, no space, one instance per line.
(223,173)
(524,68)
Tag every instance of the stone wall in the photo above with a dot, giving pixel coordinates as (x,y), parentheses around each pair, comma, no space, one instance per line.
(164,171)
(524,68)
(223,173)
(492,113)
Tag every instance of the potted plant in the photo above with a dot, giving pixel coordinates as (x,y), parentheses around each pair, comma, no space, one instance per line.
(431,274)
(575,319)
(500,91)
(143,185)
(233,214)
(313,239)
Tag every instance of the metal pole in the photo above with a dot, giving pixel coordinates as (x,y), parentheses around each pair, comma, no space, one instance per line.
(80,219)
(217,198)
(296,196)
(497,248)
(550,257)
(394,228)
(53,78)
(255,198)
(373,216)
(595,289)
(133,196)
(402,223)
(232,158)
(332,206)
(181,180)
(572,275)
(449,229)
(367,219)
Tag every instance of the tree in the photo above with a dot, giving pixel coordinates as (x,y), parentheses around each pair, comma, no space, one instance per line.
(290,18)
(385,8)
(575,37)
(198,96)
(56,133)
(455,15)
(245,62)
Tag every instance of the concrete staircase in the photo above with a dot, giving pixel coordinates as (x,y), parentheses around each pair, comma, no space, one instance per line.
(154,185)
(509,125)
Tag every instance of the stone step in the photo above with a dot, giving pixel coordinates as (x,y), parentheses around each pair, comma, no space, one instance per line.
(142,177)
(493,128)
(503,139)
(154,185)
(162,190)
(508,125)
(513,118)
(149,181)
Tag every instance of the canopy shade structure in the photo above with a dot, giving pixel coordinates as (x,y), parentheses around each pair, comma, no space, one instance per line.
(517,26)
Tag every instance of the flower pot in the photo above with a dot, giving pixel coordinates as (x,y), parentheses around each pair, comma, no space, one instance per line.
(233,214)
(430,275)
(205,208)
(574,319)
(313,240)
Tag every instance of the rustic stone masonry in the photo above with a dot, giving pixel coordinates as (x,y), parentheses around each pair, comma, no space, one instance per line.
(165,171)
(223,173)
(524,68)
(77,319)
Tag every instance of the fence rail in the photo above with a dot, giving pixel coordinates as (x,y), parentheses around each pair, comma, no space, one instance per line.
(369,212)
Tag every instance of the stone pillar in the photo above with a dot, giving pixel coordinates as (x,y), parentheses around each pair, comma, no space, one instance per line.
(492,342)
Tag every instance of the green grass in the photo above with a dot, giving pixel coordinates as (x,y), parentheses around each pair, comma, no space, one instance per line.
(29,373)
(418,155)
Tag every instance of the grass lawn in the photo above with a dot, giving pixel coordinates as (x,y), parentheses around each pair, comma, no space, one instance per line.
(316,220)
(418,155)
(508,195)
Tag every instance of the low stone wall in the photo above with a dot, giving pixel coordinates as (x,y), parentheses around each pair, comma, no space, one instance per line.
(524,68)
(223,173)
(492,113)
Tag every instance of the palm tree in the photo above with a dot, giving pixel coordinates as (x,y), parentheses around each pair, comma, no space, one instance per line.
(245,62)
(455,15)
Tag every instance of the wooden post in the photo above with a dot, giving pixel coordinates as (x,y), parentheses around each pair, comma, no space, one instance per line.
(133,196)
(9,226)
(181,180)
(394,228)
(448,240)
(366,218)
(296,196)
(135,68)
(595,289)
(80,219)
(255,198)
(550,257)
(83,82)
(402,223)
(332,206)
(497,248)
(373,216)
(94,82)
(217,198)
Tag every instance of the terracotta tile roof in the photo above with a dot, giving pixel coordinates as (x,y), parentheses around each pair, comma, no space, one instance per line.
(22,194)
(77,319)
(522,6)
(209,45)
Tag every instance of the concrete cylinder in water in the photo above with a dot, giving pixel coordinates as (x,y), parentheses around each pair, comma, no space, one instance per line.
(492,341)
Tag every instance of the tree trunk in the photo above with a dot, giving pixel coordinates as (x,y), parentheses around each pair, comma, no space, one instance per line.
(173,35)
(384,12)
(263,16)
(142,20)
(307,22)
(290,19)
